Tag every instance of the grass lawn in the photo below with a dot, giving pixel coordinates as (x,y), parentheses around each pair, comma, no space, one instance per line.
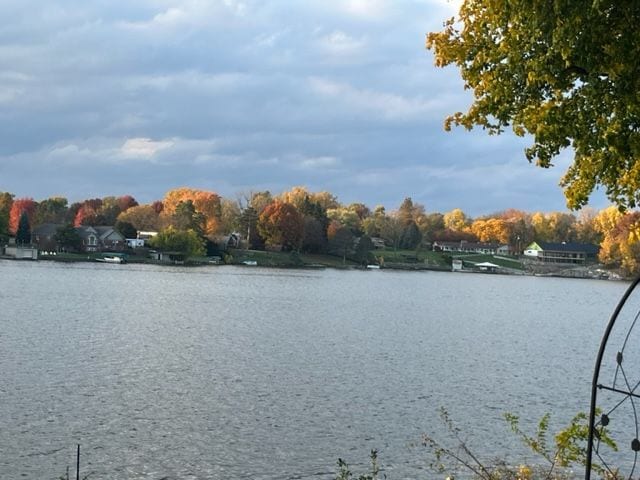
(425,257)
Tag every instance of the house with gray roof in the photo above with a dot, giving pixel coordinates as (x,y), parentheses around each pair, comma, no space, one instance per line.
(565,252)
(94,239)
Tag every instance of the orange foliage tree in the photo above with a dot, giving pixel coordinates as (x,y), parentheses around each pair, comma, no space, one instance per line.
(27,205)
(621,244)
(206,203)
(492,230)
(280,223)
(142,217)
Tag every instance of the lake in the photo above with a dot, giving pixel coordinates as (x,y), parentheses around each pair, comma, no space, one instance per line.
(230,372)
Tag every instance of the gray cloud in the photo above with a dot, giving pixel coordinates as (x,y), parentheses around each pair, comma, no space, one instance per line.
(99,98)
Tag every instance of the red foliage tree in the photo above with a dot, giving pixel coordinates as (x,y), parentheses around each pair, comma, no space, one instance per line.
(125,202)
(20,205)
(158,206)
(86,215)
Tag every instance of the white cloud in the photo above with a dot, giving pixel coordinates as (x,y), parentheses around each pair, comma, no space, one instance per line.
(68,152)
(319,163)
(144,147)
(189,14)
(341,44)
(363,9)
(390,105)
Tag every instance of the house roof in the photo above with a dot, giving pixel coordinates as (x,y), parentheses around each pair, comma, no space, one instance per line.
(46,229)
(105,231)
(84,231)
(587,248)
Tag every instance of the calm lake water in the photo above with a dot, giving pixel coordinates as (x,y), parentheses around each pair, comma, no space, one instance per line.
(228,372)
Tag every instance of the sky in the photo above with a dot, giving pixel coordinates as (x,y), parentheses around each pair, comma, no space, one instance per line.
(110,98)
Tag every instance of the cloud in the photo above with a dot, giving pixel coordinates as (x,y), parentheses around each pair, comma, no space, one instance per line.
(390,105)
(189,14)
(340,44)
(318,163)
(143,147)
(338,95)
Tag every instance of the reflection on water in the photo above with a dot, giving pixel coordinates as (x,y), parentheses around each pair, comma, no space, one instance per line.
(224,372)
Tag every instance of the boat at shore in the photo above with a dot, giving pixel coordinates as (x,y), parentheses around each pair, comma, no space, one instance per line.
(111,259)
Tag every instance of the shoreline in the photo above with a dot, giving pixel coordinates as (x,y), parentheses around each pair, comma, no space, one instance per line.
(563,271)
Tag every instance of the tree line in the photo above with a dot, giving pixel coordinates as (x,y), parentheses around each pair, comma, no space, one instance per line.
(192,220)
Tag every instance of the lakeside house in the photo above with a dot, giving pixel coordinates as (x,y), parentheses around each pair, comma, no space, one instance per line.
(471,247)
(44,236)
(94,239)
(565,252)
(98,239)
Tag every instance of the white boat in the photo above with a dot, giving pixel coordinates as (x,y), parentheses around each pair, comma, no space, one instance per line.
(110,259)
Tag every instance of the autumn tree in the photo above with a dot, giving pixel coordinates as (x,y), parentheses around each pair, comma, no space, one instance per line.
(112,207)
(360,209)
(409,211)
(229,216)
(205,203)
(521,231)
(620,246)
(563,226)
(19,206)
(296,197)
(158,206)
(430,225)
(142,217)
(87,215)
(260,200)
(125,202)
(541,227)
(72,211)
(494,230)
(326,200)
(346,217)
(6,201)
(391,231)
(564,73)
(281,224)
(554,227)
(187,217)
(586,229)
(51,210)
(373,224)
(456,220)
